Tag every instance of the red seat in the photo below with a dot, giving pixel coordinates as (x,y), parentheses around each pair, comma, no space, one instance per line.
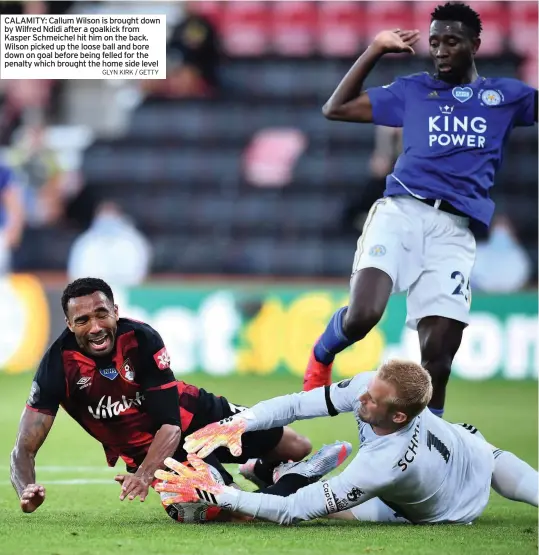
(523,27)
(340,28)
(212,10)
(270,157)
(529,72)
(294,28)
(380,16)
(245,28)
(495,26)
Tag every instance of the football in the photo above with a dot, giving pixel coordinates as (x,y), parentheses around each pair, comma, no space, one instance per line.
(193,513)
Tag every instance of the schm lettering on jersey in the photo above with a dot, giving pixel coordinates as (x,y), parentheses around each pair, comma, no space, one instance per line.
(411,451)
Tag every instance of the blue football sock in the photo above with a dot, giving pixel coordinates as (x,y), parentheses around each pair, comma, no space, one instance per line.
(437,412)
(333,340)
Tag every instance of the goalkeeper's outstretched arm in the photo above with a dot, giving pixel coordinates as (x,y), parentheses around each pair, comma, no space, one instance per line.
(358,483)
(323,401)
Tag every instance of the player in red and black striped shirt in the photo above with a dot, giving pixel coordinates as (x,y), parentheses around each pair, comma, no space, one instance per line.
(112,375)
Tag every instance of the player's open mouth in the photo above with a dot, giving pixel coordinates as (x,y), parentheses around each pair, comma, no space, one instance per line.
(100,343)
(444,68)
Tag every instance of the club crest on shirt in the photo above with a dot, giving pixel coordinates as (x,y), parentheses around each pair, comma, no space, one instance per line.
(377,250)
(491,97)
(127,371)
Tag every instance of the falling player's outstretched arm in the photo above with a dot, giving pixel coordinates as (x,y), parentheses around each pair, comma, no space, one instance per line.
(164,444)
(33,429)
(349,102)
(48,388)
(163,405)
(279,411)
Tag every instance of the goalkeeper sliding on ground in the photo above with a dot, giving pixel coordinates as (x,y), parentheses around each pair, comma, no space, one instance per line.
(412,466)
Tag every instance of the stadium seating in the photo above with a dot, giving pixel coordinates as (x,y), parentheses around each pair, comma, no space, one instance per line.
(182,172)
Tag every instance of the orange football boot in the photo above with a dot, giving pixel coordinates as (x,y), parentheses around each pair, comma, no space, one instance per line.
(317,374)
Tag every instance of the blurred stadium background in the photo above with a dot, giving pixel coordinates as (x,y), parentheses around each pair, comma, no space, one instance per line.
(224,210)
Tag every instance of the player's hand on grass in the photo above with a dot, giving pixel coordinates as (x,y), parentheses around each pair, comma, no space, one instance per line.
(225,433)
(188,482)
(396,41)
(32,497)
(133,486)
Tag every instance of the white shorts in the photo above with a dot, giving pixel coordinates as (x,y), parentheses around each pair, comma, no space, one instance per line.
(5,256)
(425,251)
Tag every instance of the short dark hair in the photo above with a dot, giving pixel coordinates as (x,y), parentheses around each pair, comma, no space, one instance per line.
(457,11)
(85,286)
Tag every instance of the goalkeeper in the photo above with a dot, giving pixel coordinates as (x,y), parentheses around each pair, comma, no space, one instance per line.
(412,466)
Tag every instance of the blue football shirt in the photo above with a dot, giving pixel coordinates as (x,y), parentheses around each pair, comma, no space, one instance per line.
(453,136)
(6,179)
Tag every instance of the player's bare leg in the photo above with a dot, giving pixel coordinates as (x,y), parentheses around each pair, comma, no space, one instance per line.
(292,447)
(439,341)
(370,289)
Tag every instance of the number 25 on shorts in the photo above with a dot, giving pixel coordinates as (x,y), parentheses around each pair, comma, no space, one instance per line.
(463,286)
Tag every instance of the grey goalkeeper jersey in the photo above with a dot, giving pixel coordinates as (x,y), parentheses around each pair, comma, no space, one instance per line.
(431,471)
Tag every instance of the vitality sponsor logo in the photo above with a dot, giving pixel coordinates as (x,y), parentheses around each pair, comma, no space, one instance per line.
(449,130)
(107,408)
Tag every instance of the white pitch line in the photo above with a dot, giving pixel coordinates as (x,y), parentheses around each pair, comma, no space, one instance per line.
(81,482)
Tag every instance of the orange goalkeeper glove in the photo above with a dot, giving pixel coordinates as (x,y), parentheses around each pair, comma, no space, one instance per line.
(191,483)
(225,433)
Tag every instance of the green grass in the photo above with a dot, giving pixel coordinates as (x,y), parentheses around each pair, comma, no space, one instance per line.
(89,519)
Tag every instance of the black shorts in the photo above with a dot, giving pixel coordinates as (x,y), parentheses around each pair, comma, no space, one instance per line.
(211,408)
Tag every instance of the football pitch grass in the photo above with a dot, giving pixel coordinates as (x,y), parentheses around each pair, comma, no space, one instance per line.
(82,514)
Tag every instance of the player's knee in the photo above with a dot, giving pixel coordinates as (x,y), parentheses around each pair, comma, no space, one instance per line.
(300,448)
(293,446)
(359,321)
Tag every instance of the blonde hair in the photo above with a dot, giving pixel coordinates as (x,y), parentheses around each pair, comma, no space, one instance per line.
(413,385)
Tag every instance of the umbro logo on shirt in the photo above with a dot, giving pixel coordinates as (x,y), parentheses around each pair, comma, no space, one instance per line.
(84,382)
(433,94)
